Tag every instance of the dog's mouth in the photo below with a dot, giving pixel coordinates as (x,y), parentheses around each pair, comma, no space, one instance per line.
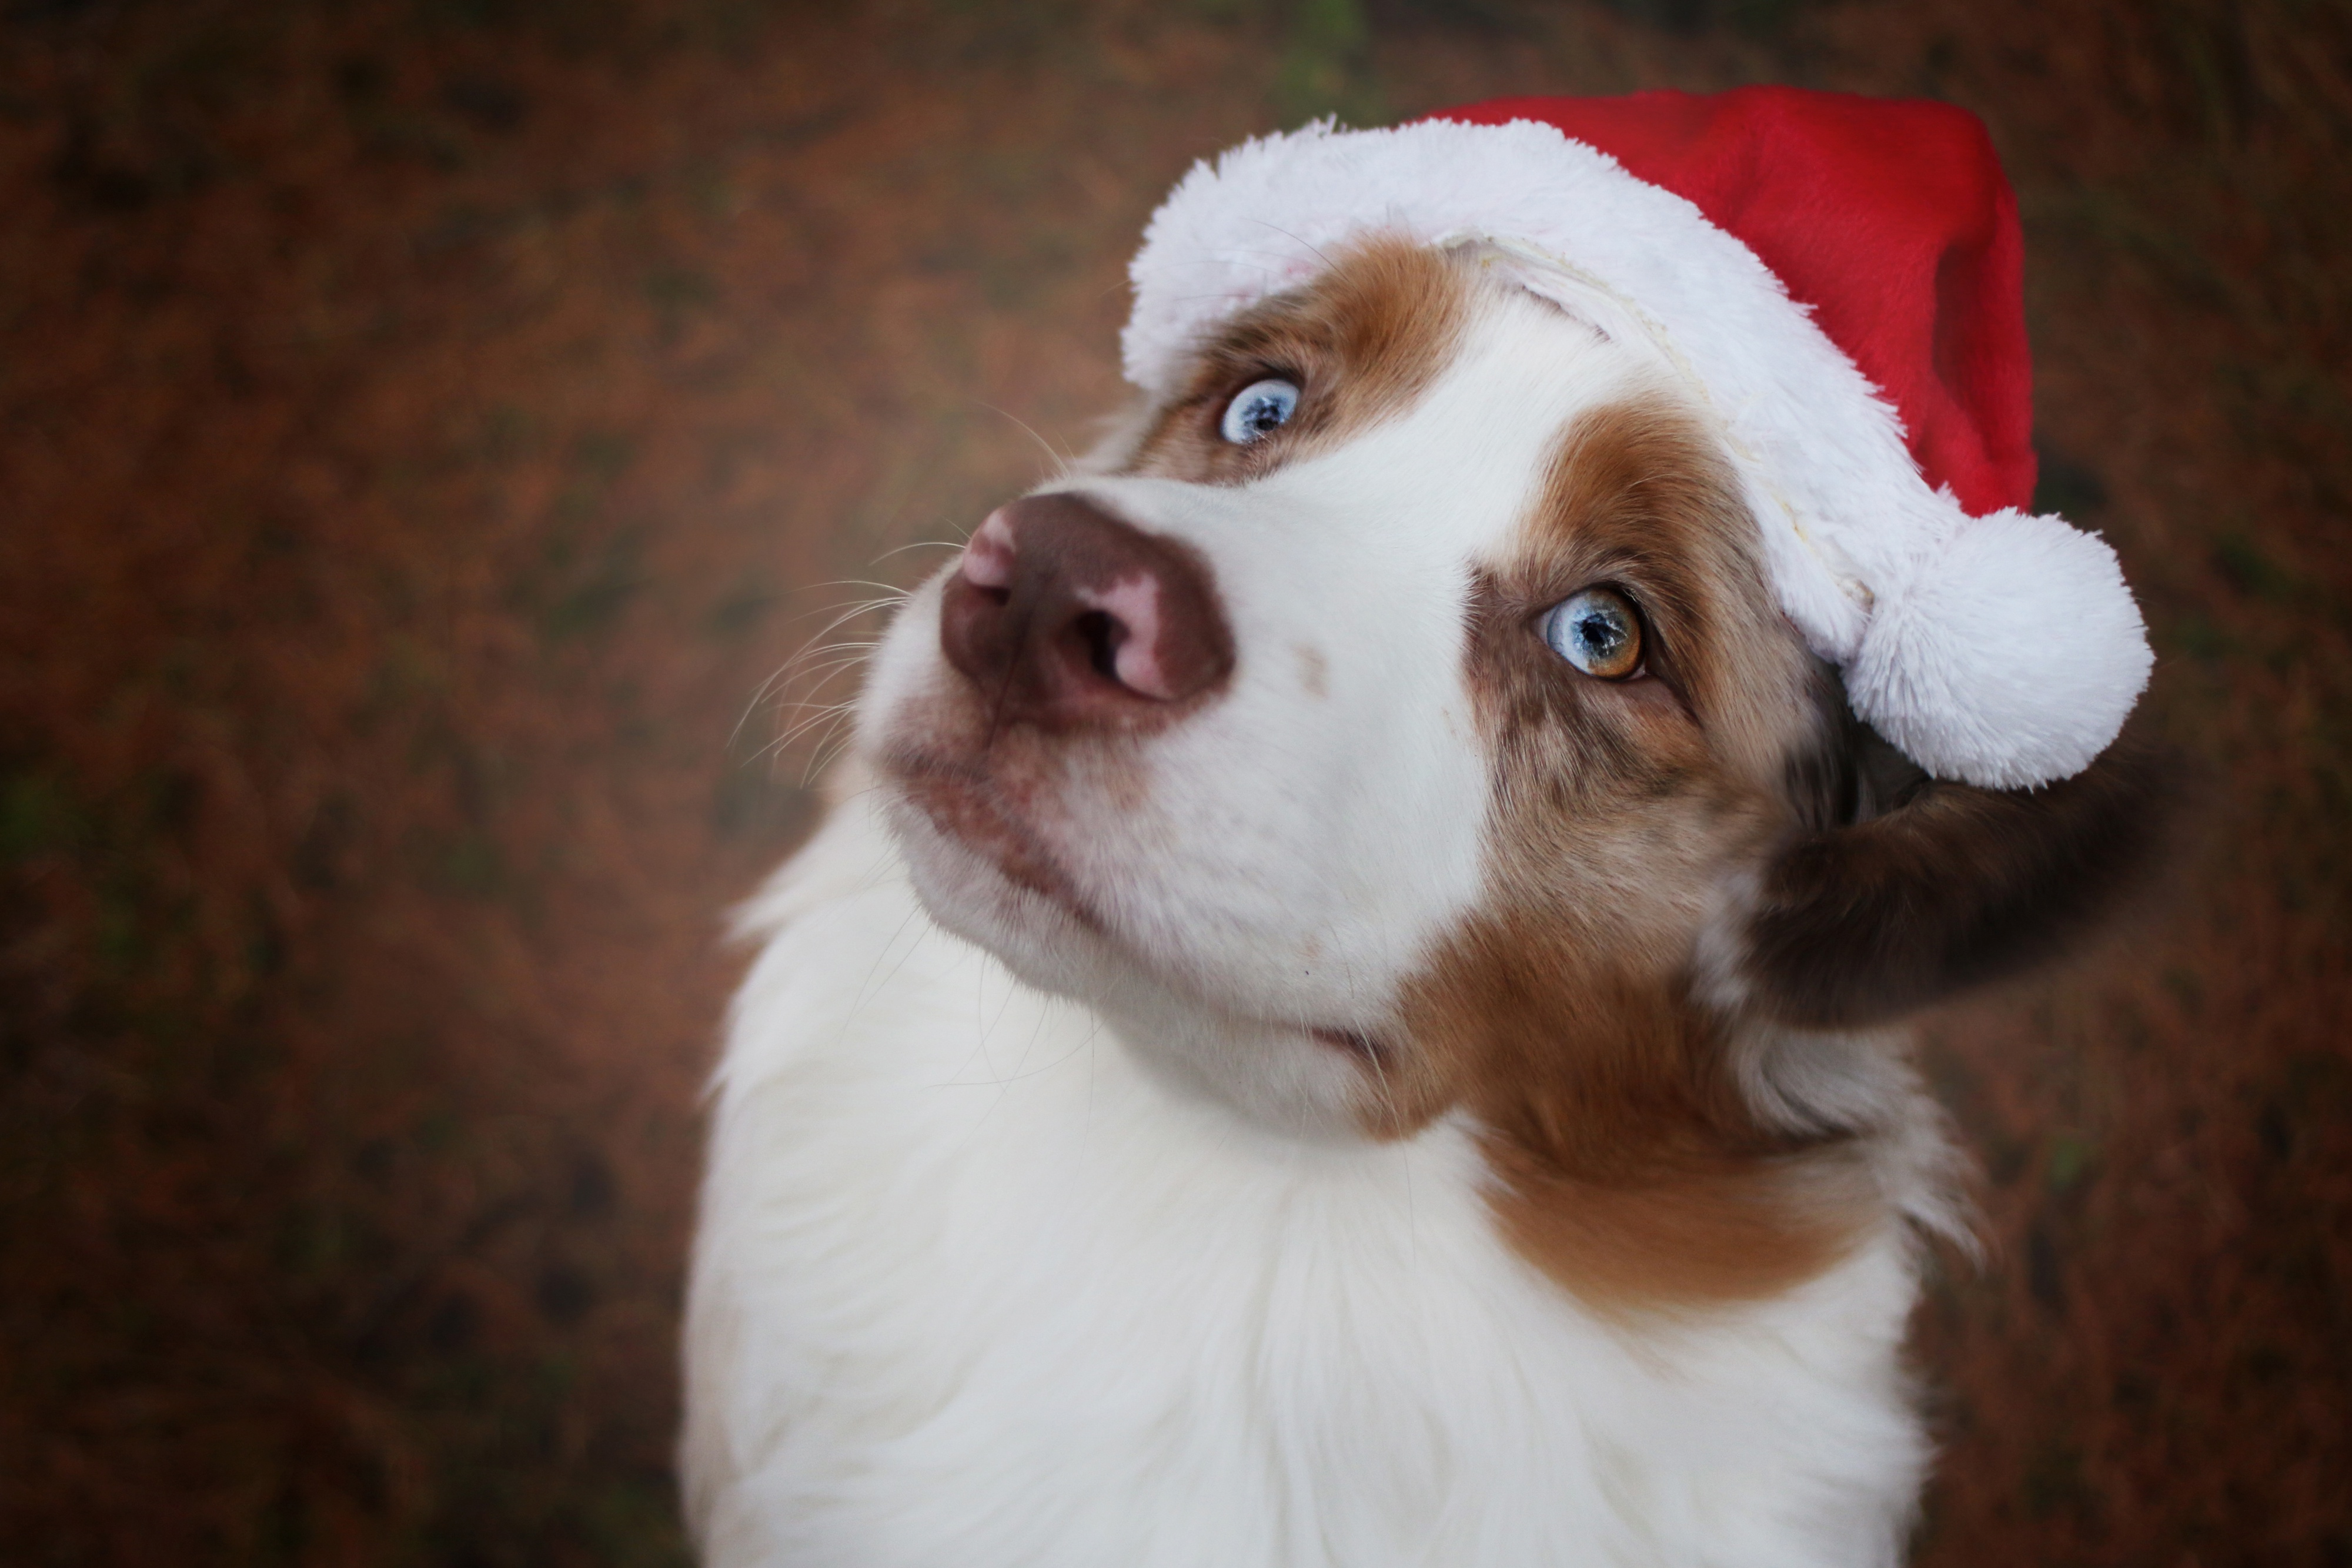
(969,807)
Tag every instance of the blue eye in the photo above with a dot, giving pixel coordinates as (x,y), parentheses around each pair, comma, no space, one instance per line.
(1257,410)
(1597,631)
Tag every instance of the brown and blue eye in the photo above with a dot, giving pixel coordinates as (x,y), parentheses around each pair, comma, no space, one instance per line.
(1597,631)
(1258,410)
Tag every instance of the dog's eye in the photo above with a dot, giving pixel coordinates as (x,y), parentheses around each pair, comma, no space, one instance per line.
(1258,408)
(1597,631)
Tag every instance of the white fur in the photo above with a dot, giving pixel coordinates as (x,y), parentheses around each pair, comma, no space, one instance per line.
(1026,1245)
(1853,533)
(975,1289)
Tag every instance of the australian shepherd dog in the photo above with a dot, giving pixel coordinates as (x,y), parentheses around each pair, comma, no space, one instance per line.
(1348,1009)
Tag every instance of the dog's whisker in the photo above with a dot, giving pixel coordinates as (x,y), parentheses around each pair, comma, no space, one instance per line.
(1320,253)
(815,717)
(794,668)
(918,544)
(813,683)
(1062,461)
(831,655)
(891,593)
(818,715)
(827,753)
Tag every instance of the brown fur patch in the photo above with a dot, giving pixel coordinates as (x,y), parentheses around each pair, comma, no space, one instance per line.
(1362,341)
(1628,1166)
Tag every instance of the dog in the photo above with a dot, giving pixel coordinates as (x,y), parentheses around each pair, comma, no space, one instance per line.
(1348,1008)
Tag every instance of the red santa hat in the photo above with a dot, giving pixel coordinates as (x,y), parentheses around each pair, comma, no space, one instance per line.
(1837,279)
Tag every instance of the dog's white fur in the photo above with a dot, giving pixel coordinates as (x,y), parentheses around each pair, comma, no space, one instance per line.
(1027,1244)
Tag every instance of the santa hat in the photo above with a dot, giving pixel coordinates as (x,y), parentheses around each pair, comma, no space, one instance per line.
(1838,279)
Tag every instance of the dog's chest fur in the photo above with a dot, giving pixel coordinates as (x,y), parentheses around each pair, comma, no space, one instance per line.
(975,1288)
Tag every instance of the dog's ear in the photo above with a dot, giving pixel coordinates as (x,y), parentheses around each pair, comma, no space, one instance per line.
(1903,889)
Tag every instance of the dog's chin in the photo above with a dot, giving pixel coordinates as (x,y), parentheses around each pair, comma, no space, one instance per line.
(996,891)
(983,875)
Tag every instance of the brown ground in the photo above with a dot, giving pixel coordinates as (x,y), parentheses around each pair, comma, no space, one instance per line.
(423,425)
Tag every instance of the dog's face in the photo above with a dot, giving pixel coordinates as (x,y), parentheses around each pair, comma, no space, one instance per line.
(1399,720)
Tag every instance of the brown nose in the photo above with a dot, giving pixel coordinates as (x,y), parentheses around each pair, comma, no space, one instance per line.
(1069,618)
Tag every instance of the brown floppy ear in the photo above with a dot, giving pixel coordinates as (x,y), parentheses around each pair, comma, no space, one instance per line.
(1927,888)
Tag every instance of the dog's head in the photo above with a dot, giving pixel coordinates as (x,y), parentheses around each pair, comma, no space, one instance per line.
(1397,720)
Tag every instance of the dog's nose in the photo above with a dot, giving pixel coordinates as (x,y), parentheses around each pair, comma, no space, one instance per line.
(1069,618)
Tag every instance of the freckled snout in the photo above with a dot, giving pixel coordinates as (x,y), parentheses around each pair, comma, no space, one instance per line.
(1069,618)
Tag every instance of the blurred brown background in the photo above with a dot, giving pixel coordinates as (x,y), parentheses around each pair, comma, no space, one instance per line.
(424,424)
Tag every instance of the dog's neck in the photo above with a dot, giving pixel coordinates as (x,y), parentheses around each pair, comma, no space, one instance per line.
(1651,1144)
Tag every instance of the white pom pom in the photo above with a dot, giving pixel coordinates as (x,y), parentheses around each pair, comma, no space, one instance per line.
(2010,659)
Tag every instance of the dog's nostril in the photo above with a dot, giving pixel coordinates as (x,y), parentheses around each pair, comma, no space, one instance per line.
(1101,635)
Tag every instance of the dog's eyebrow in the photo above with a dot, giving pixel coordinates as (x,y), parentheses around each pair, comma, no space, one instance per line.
(1365,338)
(1636,494)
